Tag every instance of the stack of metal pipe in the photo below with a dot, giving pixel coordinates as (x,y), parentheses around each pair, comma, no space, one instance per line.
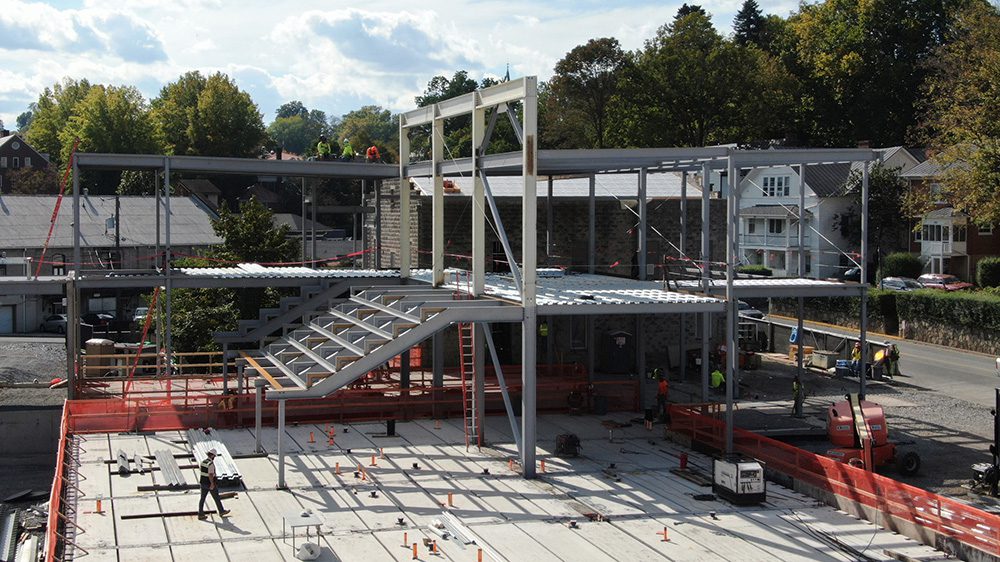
(201,442)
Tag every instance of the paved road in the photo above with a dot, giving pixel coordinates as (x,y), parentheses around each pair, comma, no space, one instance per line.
(33,338)
(965,375)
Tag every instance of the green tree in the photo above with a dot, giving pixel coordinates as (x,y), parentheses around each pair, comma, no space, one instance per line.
(24,119)
(687,9)
(749,24)
(31,181)
(691,87)
(292,109)
(208,117)
(136,182)
(962,114)
(861,65)
(371,125)
(247,236)
(887,227)
(584,83)
(52,111)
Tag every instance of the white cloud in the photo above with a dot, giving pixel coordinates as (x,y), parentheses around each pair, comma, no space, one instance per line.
(332,59)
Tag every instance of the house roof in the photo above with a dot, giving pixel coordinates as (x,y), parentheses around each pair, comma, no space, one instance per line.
(264,195)
(828,180)
(929,168)
(772,211)
(618,186)
(16,136)
(200,186)
(945,213)
(24,222)
(294,223)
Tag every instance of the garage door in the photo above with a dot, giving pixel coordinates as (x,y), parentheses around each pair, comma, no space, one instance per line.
(6,319)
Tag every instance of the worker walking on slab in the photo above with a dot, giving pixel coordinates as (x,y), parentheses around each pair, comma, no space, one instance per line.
(209,484)
(717,380)
(798,396)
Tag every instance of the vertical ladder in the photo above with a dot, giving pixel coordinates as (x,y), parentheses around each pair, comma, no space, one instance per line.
(467,364)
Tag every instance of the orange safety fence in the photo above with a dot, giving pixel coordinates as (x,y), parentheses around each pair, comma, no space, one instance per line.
(945,516)
(55,497)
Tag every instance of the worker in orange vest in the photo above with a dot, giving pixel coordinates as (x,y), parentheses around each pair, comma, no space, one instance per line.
(662,394)
(372,154)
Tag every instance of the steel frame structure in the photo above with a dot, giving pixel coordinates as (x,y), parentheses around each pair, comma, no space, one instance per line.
(485,106)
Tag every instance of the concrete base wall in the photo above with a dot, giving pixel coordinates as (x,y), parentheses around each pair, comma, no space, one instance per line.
(30,431)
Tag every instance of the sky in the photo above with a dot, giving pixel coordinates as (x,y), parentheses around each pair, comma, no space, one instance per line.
(332,56)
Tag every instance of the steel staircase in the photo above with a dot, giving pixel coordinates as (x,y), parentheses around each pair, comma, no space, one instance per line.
(337,347)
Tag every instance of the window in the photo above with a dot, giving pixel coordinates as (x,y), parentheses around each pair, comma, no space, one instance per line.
(945,234)
(3,161)
(59,264)
(986,230)
(17,162)
(918,234)
(775,226)
(27,161)
(960,233)
(776,186)
(751,226)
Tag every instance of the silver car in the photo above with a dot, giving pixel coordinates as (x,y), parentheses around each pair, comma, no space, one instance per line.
(54,323)
(900,284)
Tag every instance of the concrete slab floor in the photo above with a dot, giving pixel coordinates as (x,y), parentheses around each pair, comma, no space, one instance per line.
(508,517)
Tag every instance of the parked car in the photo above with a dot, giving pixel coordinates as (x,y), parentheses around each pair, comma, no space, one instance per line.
(943,281)
(140,314)
(900,284)
(54,323)
(97,319)
(854,274)
(749,311)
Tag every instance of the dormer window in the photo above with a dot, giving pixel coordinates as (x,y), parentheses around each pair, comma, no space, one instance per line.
(776,186)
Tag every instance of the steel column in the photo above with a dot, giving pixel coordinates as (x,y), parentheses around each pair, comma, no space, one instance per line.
(863,336)
(303,225)
(801,269)
(404,201)
(592,226)
(549,218)
(643,219)
(437,201)
(479,380)
(478,203)
(281,445)
(683,255)
(378,224)
(225,368)
(258,413)
(168,342)
(529,256)
(706,339)
(437,373)
(732,349)
(72,334)
(312,227)
(76,218)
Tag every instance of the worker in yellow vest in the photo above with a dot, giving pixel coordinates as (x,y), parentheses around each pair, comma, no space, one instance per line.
(209,485)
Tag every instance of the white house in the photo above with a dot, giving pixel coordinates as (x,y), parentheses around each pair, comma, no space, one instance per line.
(769,201)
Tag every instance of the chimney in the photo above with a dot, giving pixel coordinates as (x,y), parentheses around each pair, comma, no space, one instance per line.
(864,144)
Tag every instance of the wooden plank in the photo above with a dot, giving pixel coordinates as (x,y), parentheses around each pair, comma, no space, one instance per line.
(262,371)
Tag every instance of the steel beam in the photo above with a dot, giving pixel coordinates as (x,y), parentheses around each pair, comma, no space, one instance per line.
(240,166)
(488,333)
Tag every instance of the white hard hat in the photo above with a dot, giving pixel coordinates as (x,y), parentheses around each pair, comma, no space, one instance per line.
(213,452)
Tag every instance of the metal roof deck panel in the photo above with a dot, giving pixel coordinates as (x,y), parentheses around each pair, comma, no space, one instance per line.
(778,287)
(257,271)
(592,294)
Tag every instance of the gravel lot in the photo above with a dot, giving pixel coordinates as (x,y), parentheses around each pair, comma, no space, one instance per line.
(24,362)
(948,434)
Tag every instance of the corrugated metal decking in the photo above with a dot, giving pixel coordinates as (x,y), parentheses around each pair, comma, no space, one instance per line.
(201,442)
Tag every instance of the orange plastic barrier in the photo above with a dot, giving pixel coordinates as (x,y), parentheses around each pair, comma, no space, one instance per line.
(964,523)
(53,538)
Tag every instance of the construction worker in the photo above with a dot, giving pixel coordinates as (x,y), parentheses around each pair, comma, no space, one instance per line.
(662,394)
(347,153)
(798,396)
(323,148)
(891,360)
(856,357)
(372,154)
(717,380)
(209,485)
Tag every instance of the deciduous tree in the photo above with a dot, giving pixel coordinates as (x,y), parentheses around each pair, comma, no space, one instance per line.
(584,83)
(52,111)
